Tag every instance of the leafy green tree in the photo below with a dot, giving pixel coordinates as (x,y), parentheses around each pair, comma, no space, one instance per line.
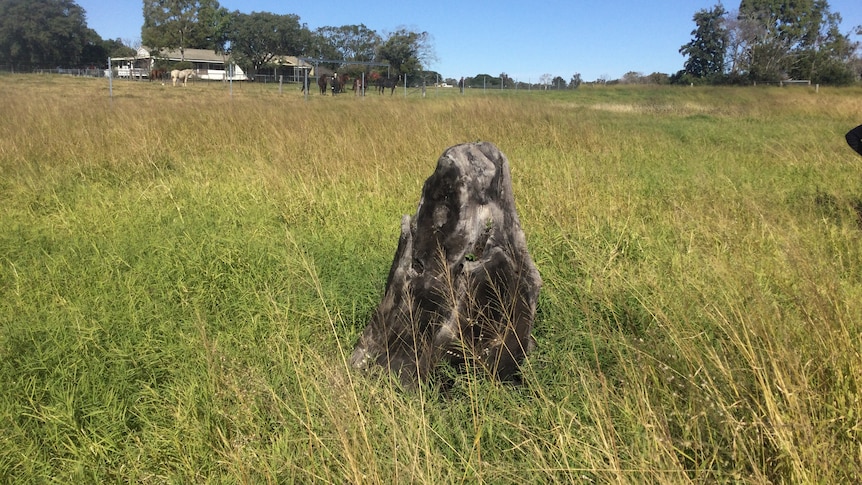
(320,47)
(182,24)
(828,57)
(214,21)
(707,48)
(43,33)
(347,43)
(772,31)
(558,83)
(633,77)
(657,78)
(856,58)
(480,81)
(116,48)
(576,81)
(97,51)
(257,39)
(406,51)
(784,38)
(350,42)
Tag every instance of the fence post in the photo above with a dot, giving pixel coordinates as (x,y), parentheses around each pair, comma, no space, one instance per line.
(110,80)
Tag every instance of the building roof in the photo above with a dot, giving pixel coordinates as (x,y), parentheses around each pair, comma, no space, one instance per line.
(293,61)
(193,55)
(205,55)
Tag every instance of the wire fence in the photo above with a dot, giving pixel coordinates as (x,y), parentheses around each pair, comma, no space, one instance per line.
(88,72)
(414,84)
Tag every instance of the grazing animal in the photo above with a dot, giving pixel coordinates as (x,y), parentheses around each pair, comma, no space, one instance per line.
(338,82)
(158,75)
(322,81)
(183,75)
(387,82)
(358,87)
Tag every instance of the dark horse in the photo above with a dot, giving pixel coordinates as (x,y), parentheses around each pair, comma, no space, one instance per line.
(338,82)
(387,82)
(159,74)
(322,81)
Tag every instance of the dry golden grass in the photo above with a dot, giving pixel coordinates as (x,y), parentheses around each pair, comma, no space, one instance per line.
(182,271)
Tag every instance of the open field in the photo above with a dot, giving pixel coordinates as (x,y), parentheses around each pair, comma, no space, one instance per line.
(184,270)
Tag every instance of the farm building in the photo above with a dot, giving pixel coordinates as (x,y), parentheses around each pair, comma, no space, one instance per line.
(208,65)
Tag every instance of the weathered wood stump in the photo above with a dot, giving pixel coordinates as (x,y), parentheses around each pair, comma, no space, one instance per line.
(854,139)
(462,287)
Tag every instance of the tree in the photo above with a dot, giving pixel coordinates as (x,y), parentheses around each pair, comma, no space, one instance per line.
(182,24)
(43,33)
(214,22)
(481,80)
(657,78)
(406,51)
(355,43)
(575,81)
(707,48)
(97,51)
(632,77)
(827,57)
(778,39)
(257,39)
(738,38)
(350,42)
(558,82)
(320,47)
(856,59)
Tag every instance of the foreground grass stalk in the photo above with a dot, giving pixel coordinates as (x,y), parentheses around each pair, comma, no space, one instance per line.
(181,271)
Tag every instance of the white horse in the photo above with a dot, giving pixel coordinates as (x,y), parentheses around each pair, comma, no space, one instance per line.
(183,75)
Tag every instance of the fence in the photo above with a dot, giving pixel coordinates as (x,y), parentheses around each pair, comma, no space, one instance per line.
(89,72)
(273,78)
(786,82)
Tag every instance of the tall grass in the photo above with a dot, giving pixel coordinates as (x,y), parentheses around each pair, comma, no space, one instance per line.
(182,272)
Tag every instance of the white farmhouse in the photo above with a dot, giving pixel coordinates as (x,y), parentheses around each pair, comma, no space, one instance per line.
(208,65)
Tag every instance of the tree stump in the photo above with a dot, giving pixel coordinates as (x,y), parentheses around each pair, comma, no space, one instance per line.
(854,139)
(462,287)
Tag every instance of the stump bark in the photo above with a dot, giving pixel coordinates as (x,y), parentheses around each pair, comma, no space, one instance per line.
(854,139)
(462,287)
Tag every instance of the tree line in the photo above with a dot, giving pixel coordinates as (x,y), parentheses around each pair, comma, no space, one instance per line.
(51,33)
(770,41)
(761,41)
(54,33)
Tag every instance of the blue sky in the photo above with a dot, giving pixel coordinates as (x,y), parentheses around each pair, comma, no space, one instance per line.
(524,39)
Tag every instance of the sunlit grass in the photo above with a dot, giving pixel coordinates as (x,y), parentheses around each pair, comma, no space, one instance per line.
(183,270)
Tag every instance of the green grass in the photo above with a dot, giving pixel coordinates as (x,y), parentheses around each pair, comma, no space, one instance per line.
(183,270)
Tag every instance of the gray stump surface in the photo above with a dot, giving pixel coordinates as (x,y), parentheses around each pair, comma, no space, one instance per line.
(462,287)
